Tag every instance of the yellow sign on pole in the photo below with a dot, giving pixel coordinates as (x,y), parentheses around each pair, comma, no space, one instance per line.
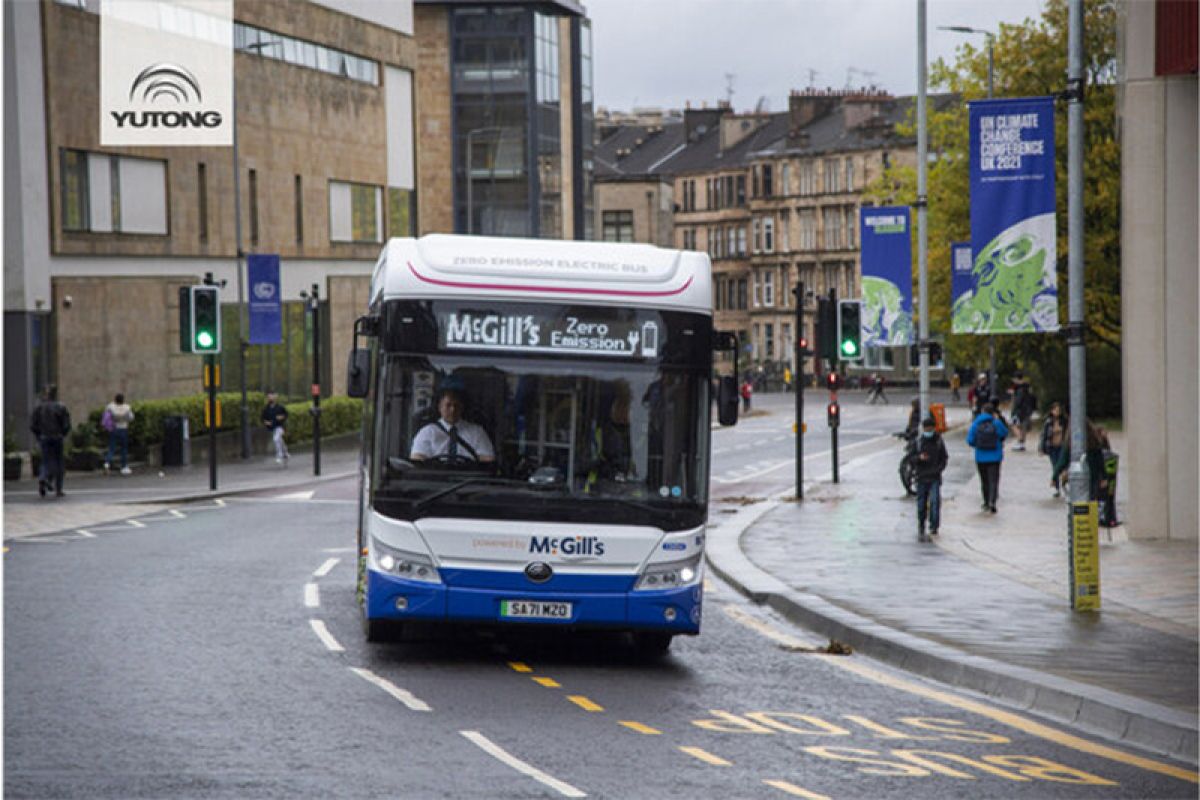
(1085,557)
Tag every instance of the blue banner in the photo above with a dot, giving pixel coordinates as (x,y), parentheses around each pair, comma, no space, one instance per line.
(1013,231)
(962,278)
(266,318)
(886,275)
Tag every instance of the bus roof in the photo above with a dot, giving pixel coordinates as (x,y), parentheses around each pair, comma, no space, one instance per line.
(442,266)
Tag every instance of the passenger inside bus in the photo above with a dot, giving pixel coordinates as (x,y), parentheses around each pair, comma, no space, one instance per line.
(452,439)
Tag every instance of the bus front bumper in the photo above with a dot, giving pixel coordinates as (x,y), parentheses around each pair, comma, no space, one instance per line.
(674,611)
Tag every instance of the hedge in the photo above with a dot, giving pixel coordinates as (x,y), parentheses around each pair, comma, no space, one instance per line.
(338,415)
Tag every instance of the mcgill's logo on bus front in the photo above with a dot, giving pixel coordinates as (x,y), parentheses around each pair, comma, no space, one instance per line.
(492,329)
(567,546)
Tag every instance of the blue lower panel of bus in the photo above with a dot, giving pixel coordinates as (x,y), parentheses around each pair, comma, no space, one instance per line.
(596,601)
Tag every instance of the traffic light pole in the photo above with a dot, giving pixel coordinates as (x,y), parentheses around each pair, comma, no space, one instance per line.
(833,427)
(314,306)
(210,417)
(798,378)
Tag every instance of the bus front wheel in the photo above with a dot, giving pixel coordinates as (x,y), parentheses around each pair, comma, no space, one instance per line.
(381,630)
(652,643)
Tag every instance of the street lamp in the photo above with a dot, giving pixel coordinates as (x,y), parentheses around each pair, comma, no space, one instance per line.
(471,134)
(991,46)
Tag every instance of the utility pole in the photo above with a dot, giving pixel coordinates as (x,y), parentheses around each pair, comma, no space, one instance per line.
(922,216)
(212,418)
(835,415)
(1076,354)
(801,350)
(314,308)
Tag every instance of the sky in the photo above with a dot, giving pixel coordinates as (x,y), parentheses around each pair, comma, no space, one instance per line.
(666,52)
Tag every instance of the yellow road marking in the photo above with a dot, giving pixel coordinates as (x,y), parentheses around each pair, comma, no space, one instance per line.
(548,682)
(520,667)
(584,703)
(704,755)
(795,790)
(1003,717)
(639,727)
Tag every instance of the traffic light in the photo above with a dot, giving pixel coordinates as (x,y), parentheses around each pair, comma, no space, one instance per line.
(849,330)
(200,319)
(833,413)
(833,380)
(804,344)
(826,328)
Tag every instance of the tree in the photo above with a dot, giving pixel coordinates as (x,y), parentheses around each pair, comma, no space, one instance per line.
(1030,61)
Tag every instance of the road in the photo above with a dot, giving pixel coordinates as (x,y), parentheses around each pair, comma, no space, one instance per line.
(214,650)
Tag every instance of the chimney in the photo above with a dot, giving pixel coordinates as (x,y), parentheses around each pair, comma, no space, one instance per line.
(698,121)
(864,107)
(811,104)
(735,127)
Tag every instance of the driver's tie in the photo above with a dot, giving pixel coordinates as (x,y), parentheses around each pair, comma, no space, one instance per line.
(453,451)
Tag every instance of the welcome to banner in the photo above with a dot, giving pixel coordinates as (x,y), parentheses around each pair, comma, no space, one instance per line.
(1014,288)
(886,237)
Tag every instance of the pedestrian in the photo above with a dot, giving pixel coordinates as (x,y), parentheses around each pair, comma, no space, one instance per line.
(981,394)
(1023,403)
(876,392)
(986,435)
(914,417)
(747,393)
(274,416)
(1054,437)
(115,419)
(955,383)
(931,462)
(50,423)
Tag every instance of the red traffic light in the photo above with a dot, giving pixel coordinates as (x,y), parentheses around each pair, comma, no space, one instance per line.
(834,381)
(803,343)
(834,414)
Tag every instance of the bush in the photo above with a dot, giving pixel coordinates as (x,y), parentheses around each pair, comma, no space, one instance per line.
(338,415)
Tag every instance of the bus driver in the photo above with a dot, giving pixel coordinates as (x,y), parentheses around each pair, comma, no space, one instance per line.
(452,436)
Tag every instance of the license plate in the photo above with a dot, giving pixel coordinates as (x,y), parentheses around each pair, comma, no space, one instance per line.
(534,609)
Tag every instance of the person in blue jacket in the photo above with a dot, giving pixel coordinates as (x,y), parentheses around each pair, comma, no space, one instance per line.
(986,435)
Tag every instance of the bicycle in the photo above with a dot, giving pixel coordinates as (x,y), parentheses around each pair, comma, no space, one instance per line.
(908,462)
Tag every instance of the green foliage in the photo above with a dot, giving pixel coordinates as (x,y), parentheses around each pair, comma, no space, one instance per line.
(1030,60)
(338,415)
(85,436)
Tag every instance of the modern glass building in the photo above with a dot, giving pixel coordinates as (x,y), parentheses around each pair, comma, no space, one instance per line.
(520,116)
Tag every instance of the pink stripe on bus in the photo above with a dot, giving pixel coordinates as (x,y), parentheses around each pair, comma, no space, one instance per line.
(565,290)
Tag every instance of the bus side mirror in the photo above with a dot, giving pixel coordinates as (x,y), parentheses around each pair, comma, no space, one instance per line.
(358,373)
(727,401)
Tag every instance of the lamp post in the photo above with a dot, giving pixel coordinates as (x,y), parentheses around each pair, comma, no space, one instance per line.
(991,46)
(922,215)
(471,134)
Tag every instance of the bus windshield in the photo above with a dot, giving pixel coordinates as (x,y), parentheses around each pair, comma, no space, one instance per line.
(570,440)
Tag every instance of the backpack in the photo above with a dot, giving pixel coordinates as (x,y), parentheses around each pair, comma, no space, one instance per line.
(106,420)
(986,437)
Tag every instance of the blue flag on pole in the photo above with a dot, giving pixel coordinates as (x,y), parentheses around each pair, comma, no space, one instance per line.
(886,243)
(962,277)
(266,317)
(1013,230)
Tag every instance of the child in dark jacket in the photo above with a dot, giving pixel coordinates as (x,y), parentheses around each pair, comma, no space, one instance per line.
(931,460)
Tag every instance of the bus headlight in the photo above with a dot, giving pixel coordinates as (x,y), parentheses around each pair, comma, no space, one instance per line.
(673,575)
(402,564)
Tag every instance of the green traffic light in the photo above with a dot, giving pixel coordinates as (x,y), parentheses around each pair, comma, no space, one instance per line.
(204,339)
(849,348)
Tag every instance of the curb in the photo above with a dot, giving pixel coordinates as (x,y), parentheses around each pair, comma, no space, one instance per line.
(1096,710)
(195,497)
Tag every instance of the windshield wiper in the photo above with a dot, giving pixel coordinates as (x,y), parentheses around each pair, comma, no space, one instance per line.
(454,487)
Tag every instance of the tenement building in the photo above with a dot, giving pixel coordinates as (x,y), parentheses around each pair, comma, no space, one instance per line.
(773,198)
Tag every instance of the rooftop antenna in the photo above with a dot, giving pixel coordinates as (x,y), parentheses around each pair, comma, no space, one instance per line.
(812,78)
(866,73)
(729,76)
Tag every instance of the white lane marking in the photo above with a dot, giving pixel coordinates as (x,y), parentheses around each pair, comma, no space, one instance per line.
(297,496)
(406,697)
(219,502)
(494,750)
(818,455)
(337,550)
(177,513)
(86,534)
(311,598)
(133,523)
(325,636)
(323,570)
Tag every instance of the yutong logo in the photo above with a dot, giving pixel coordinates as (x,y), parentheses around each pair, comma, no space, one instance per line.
(166,82)
(568,545)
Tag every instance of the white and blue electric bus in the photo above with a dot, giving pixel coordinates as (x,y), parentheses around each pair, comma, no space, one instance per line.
(536,435)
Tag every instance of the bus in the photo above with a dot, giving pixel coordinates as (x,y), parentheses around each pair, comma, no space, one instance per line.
(536,426)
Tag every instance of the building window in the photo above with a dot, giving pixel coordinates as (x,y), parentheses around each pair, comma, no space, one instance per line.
(741,240)
(768,185)
(741,189)
(546,45)
(755,347)
(202,199)
(113,194)
(851,227)
(253,189)
(832,175)
(785,179)
(769,340)
(757,287)
(741,294)
(401,217)
(757,226)
(768,225)
(878,358)
(754,181)
(355,212)
(768,288)
(849,174)
(731,239)
(785,232)
(617,226)
(259,42)
(832,221)
(808,230)
(808,184)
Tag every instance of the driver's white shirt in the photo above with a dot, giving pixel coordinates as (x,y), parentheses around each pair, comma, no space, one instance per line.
(433,440)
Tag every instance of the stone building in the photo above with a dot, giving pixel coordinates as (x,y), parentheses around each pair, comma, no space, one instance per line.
(772,198)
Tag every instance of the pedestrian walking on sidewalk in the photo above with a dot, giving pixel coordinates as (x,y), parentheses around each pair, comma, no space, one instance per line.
(955,384)
(274,416)
(1023,404)
(115,419)
(1054,437)
(914,417)
(986,435)
(876,392)
(979,394)
(747,393)
(931,462)
(50,423)
(1100,462)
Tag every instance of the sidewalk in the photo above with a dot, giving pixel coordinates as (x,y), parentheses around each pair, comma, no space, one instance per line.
(987,606)
(93,498)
